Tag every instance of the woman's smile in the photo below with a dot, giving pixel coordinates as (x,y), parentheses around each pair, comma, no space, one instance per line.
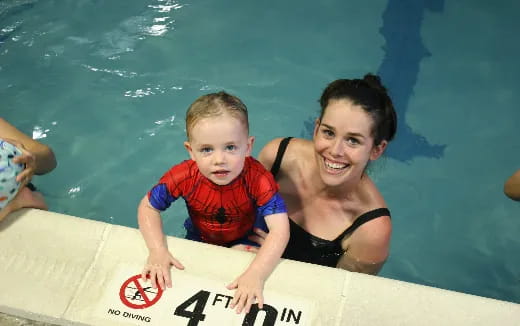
(335,167)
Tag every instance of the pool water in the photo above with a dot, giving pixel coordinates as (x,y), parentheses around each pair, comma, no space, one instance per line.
(106,85)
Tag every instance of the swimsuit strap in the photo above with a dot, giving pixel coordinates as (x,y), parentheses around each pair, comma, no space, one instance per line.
(279,155)
(362,219)
(31,187)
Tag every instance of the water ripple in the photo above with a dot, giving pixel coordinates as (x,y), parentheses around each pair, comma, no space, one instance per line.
(120,73)
(40,132)
(124,38)
(167,7)
(159,124)
(142,92)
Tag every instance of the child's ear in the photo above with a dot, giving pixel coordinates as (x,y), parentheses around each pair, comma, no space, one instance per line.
(187,145)
(378,150)
(250,142)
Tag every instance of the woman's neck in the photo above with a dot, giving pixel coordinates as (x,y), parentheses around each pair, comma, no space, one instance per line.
(346,191)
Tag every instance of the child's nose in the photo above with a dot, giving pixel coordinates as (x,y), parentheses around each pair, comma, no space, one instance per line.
(219,158)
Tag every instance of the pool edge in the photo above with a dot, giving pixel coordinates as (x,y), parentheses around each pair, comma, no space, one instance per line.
(42,281)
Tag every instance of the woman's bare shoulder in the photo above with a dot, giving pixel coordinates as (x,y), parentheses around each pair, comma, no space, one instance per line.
(371,241)
(267,154)
(299,148)
(378,229)
(369,194)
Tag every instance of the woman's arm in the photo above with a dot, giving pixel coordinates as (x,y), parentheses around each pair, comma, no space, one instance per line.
(43,154)
(512,186)
(369,247)
(352,264)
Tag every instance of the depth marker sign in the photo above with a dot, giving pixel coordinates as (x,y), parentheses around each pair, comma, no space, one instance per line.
(134,295)
(193,301)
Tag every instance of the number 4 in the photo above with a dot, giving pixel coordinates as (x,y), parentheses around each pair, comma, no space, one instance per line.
(201,298)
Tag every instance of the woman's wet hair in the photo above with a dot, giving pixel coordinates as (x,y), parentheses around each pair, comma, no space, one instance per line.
(370,94)
(215,104)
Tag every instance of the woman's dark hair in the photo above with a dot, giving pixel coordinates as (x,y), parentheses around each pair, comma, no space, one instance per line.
(371,95)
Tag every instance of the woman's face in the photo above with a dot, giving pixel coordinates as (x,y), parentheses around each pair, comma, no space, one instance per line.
(343,142)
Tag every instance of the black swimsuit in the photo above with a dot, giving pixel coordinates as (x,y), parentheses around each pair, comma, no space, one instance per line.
(308,248)
(31,187)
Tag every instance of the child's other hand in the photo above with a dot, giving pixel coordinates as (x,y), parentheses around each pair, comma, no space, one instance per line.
(158,266)
(258,237)
(248,288)
(27,158)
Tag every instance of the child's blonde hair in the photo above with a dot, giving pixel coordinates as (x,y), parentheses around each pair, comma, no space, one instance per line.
(215,104)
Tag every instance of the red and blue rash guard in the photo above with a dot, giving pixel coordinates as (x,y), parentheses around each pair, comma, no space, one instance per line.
(221,214)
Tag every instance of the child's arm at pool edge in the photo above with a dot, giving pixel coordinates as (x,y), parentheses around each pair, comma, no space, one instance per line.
(159,258)
(250,284)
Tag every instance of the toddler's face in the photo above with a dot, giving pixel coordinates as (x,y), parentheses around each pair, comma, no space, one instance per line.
(219,146)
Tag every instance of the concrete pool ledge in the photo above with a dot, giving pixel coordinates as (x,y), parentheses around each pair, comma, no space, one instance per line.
(72,271)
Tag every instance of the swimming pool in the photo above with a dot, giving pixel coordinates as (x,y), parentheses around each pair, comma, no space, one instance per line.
(107,85)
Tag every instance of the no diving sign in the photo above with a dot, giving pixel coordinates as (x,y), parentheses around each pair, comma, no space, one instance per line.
(192,301)
(138,295)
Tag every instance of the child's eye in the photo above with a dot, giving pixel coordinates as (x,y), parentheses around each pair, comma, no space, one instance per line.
(206,150)
(231,148)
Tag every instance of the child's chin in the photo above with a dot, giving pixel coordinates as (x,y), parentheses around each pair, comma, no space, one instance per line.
(220,181)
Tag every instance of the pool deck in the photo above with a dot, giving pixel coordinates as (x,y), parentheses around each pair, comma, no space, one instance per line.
(65,270)
(7,320)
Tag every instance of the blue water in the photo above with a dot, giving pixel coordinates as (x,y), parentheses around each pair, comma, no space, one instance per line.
(106,84)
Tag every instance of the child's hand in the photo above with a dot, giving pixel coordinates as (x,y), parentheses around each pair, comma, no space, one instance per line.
(258,237)
(27,158)
(158,266)
(249,286)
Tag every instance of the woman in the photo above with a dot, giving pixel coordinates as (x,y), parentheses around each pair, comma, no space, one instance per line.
(36,157)
(338,216)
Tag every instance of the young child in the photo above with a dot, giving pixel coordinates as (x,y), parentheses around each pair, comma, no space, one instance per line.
(225,191)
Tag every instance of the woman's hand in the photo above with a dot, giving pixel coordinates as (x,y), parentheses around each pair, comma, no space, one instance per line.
(158,266)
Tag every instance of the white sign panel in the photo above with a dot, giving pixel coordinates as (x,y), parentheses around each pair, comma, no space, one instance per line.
(193,301)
